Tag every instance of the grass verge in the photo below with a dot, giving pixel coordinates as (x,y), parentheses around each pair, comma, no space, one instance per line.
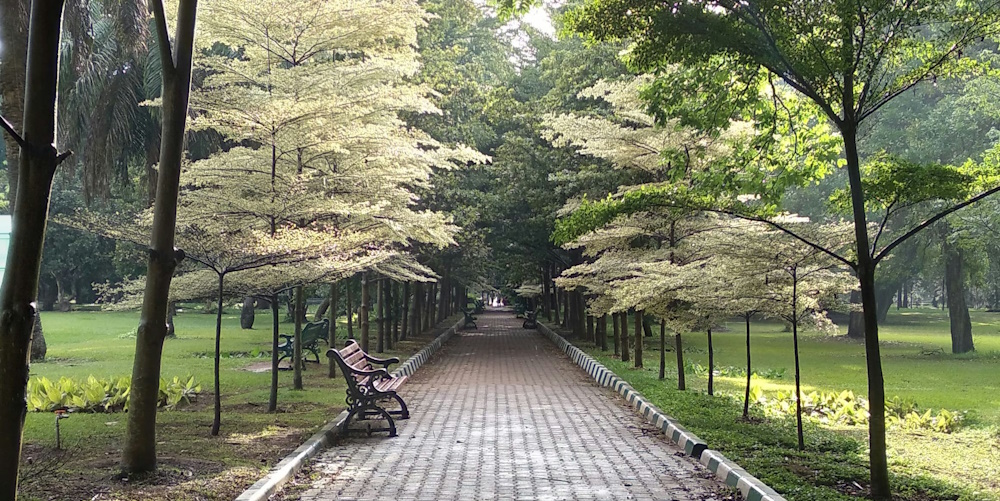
(193,464)
(964,465)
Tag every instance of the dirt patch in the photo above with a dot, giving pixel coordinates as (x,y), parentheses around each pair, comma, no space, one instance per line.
(260,367)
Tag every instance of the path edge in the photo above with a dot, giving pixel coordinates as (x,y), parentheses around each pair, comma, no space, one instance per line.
(750,487)
(271,483)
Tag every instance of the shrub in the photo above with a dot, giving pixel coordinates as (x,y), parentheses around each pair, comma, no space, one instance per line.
(846,408)
(102,395)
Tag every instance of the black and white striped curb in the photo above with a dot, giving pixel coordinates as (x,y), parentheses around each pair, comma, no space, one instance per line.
(264,488)
(411,364)
(729,472)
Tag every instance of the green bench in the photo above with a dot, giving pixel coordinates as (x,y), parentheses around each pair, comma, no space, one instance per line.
(312,334)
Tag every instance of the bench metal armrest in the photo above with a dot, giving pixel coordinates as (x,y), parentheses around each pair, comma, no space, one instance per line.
(375,373)
(386,362)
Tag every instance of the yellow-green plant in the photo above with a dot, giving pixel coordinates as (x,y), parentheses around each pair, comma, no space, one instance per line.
(103,395)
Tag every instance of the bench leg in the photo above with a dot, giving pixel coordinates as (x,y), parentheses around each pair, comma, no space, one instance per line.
(403,412)
(371,410)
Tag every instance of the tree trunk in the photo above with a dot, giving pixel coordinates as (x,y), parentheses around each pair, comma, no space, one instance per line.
(878,462)
(139,453)
(883,299)
(571,313)
(32,183)
(363,311)
(647,327)
(62,298)
(395,313)
(602,331)
(417,314)
(331,335)
(638,339)
(349,307)
(297,361)
(405,302)
(38,345)
(216,380)
(272,401)
(580,310)
(555,306)
(247,313)
(746,396)
(958,309)
(432,305)
(856,321)
(591,331)
(380,315)
(564,296)
(616,337)
(390,315)
(711,365)
(679,349)
(14,40)
(171,312)
(663,349)
(624,341)
(798,374)
(546,301)
(321,310)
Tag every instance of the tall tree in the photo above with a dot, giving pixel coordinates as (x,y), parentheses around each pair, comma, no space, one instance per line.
(849,57)
(37,162)
(139,451)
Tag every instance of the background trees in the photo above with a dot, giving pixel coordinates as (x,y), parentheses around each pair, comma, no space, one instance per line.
(416,142)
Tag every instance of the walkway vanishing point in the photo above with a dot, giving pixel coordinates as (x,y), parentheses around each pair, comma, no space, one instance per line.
(500,413)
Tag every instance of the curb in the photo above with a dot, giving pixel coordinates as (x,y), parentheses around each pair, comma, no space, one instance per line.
(264,488)
(724,469)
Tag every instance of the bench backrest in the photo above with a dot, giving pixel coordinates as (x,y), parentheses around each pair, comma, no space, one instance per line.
(350,357)
(315,330)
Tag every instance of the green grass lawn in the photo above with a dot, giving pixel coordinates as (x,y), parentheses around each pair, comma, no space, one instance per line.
(917,365)
(193,463)
(933,380)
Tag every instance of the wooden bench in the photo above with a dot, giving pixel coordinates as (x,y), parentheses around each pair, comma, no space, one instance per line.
(367,386)
(312,334)
(470,320)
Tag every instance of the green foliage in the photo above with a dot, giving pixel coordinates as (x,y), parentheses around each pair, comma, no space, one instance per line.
(102,395)
(732,371)
(846,408)
(890,181)
(254,353)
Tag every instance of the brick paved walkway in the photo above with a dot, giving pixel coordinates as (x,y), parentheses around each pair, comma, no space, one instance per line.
(500,413)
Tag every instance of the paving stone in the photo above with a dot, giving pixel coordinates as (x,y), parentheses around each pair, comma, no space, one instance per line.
(501,413)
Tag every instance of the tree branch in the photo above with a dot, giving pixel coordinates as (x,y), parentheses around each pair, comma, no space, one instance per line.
(781,228)
(162,35)
(932,220)
(13,133)
(881,226)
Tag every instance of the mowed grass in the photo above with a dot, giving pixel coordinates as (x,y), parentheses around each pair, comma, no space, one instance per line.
(194,465)
(917,364)
(911,361)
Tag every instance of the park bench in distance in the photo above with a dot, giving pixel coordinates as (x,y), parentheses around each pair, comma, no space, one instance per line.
(530,319)
(470,320)
(367,386)
(312,334)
